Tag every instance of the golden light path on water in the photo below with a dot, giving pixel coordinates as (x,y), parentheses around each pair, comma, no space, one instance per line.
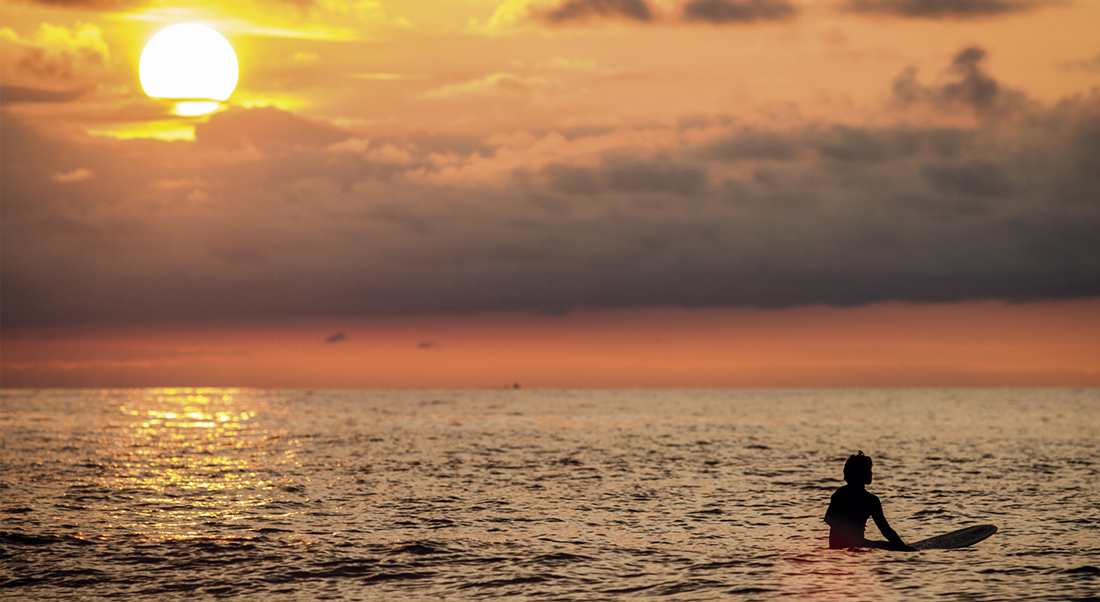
(183,451)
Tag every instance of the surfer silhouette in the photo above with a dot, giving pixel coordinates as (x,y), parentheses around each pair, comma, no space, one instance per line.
(850,506)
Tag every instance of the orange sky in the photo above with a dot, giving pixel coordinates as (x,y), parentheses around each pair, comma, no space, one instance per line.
(883,345)
(556,192)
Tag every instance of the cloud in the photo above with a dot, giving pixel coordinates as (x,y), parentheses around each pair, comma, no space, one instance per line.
(21,94)
(716,12)
(737,11)
(265,128)
(496,83)
(295,224)
(969,86)
(1090,65)
(626,175)
(77,175)
(974,87)
(336,338)
(943,9)
(977,178)
(57,53)
(574,11)
(752,144)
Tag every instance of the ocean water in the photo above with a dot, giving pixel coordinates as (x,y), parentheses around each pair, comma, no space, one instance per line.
(211,494)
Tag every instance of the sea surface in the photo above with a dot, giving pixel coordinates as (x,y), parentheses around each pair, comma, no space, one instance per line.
(213,494)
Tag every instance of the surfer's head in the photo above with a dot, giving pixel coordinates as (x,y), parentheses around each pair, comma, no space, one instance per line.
(857,470)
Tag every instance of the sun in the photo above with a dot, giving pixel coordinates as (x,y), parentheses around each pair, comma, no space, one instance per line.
(191,62)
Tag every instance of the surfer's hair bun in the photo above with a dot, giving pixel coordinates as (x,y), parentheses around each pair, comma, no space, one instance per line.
(857,467)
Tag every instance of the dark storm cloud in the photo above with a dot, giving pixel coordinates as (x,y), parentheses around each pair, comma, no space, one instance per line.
(272,215)
(941,9)
(571,11)
(738,11)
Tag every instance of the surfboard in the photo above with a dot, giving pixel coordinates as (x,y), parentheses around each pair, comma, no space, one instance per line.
(956,539)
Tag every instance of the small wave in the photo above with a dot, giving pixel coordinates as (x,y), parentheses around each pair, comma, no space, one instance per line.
(337,570)
(405,576)
(419,549)
(27,539)
(1082,570)
(493,583)
(560,558)
(690,585)
(749,590)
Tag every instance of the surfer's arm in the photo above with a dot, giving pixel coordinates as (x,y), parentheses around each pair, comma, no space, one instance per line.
(888,532)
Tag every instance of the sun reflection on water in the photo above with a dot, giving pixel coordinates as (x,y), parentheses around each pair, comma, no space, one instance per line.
(194,458)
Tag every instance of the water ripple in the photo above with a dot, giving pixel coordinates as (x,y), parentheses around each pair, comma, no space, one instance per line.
(570,495)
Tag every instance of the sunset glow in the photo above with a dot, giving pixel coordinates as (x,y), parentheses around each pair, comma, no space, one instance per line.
(551,192)
(188,61)
(884,345)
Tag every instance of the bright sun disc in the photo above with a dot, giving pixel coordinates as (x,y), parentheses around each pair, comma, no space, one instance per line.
(188,61)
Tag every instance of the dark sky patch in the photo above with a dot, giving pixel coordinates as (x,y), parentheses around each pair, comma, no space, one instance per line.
(579,11)
(943,9)
(720,12)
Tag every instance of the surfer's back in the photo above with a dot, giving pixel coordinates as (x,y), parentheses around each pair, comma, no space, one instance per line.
(849,508)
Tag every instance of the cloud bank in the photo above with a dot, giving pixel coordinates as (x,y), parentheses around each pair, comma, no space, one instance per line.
(267,213)
(944,9)
(571,11)
(738,11)
(741,12)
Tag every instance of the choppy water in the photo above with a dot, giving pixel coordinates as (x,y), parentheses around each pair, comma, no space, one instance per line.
(558,495)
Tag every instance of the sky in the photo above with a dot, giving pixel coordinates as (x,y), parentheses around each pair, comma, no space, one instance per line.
(556,193)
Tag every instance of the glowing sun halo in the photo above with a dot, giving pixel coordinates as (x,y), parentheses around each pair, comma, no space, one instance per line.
(189,61)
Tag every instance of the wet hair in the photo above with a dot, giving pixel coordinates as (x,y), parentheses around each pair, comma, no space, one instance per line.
(857,466)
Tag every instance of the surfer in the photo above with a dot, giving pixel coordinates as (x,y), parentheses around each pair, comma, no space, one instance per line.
(850,506)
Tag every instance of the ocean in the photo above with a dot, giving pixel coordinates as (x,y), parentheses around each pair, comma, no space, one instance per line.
(247,494)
